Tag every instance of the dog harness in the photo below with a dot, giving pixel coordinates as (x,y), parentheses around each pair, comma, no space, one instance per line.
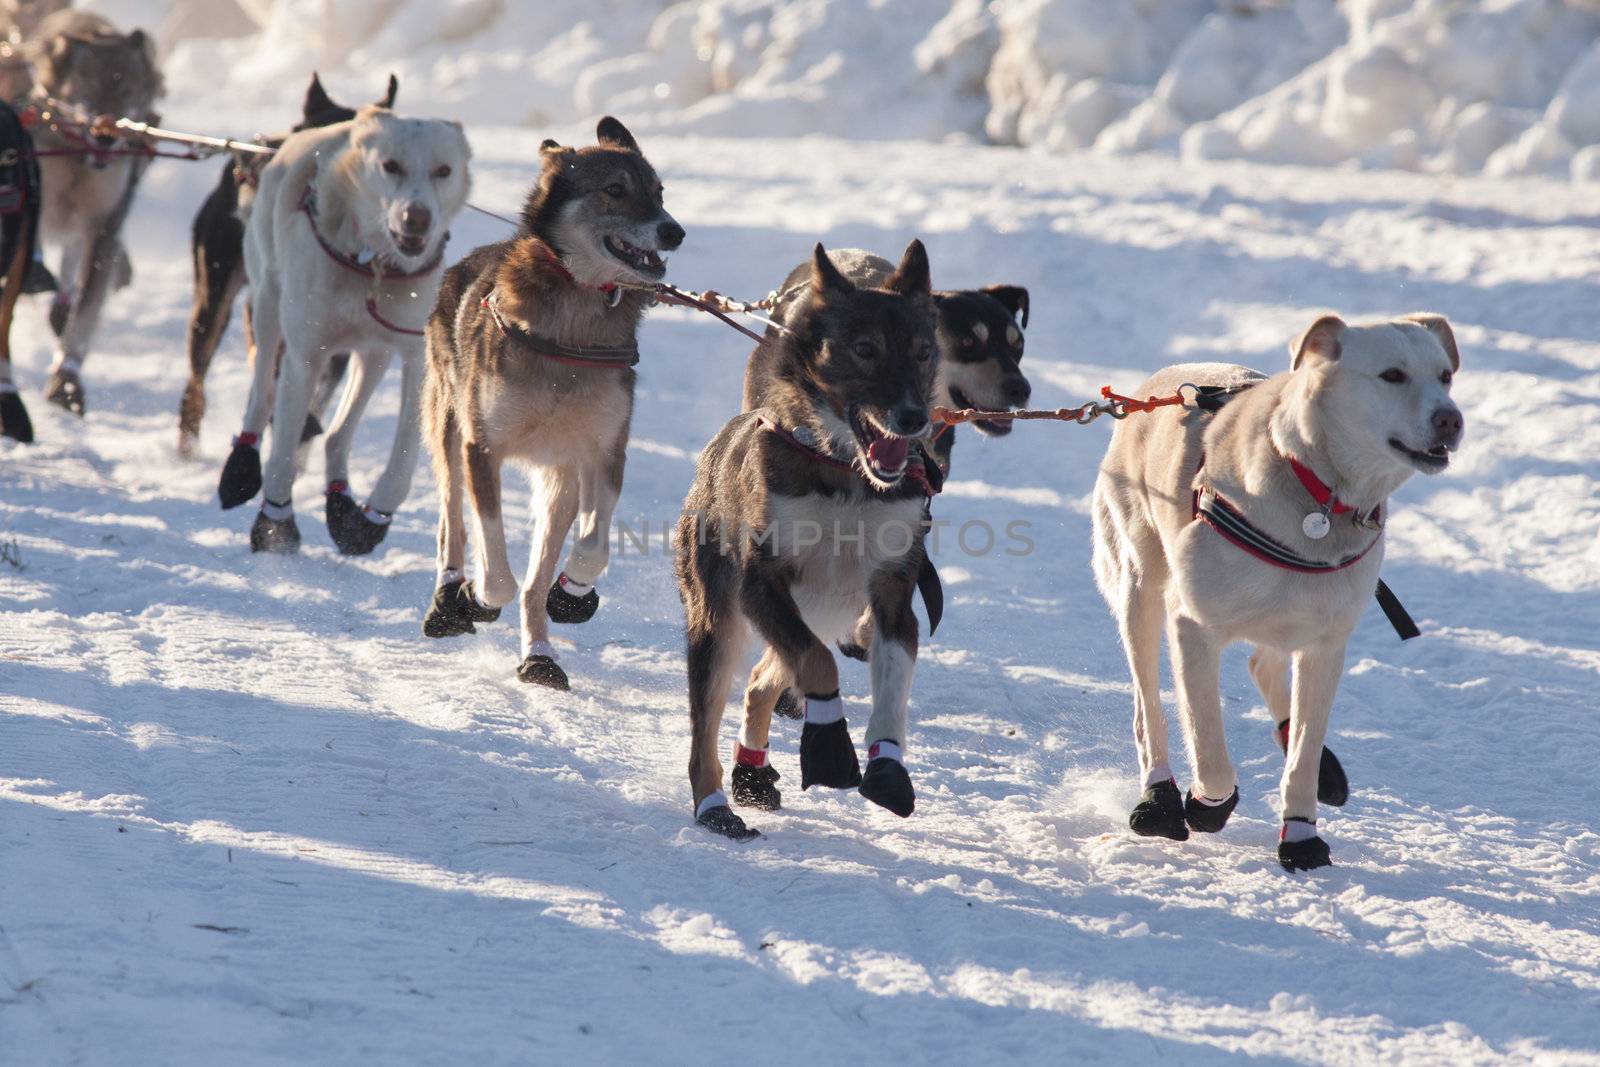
(928,475)
(618,358)
(371,267)
(1210,507)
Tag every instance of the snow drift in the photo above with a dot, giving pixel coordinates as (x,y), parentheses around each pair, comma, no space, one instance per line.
(1505,87)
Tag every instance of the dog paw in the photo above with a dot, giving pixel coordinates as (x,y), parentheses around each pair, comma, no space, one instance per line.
(1159,813)
(1333,787)
(352,531)
(754,787)
(828,756)
(563,607)
(853,650)
(14,421)
(38,279)
(454,610)
(274,535)
(887,785)
(1205,818)
(66,391)
(1307,855)
(789,706)
(542,670)
(722,820)
(241,475)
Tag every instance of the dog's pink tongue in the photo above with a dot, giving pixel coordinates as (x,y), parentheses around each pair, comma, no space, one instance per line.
(888,453)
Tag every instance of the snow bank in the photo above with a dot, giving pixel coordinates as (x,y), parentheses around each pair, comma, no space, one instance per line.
(1506,87)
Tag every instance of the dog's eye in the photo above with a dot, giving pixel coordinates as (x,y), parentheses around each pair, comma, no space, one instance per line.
(924,353)
(1446,378)
(1394,376)
(442,171)
(864,349)
(392,166)
(616,191)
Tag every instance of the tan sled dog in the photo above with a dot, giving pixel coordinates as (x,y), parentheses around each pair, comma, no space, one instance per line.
(1263,523)
(531,349)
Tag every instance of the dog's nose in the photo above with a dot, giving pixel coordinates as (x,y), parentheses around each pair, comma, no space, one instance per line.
(1017,391)
(670,234)
(415,219)
(910,420)
(1447,424)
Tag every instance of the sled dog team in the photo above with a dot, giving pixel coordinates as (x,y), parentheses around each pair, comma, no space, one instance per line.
(1255,517)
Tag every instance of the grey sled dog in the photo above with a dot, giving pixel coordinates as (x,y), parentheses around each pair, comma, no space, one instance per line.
(1263,523)
(344,247)
(531,349)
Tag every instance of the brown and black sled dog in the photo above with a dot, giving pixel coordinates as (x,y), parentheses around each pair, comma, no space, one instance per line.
(531,348)
(805,512)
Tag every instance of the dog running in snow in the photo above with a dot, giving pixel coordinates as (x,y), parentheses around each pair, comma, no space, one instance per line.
(83,60)
(980,344)
(217,251)
(1263,523)
(344,248)
(803,514)
(531,349)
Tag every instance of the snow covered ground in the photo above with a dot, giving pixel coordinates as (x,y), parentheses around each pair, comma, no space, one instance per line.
(249,815)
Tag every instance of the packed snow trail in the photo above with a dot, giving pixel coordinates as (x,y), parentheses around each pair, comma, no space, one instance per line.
(248,814)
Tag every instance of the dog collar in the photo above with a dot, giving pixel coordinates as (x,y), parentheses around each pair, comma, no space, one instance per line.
(616,358)
(916,470)
(1209,506)
(610,290)
(366,265)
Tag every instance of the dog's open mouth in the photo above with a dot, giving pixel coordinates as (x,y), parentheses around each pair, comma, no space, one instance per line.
(644,261)
(1432,461)
(410,244)
(884,454)
(988,427)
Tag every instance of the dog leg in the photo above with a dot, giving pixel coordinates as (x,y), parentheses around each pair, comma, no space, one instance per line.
(1270,669)
(1196,661)
(827,755)
(555,505)
(716,641)
(355,530)
(455,608)
(1317,671)
(572,597)
(14,421)
(218,276)
(65,387)
(1139,612)
(483,489)
(754,776)
(892,658)
(288,412)
(394,484)
(241,474)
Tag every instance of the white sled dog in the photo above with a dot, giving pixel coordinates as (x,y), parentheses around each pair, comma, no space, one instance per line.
(344,248)
(1263,523)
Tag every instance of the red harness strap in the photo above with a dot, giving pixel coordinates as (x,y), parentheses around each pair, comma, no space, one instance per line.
(618,358)
(916,470)
(1208,506)
(308,204)
(1318,490)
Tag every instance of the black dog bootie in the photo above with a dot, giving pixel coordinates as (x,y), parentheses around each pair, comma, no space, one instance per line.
(241,475)
(274,535)
(828,756)
(565,608)
(1206,818)
(1159,813)
(352,531)
(454,610)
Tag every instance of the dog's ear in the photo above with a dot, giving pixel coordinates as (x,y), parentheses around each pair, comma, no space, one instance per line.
(551,150)
(1322,340)
(1440,328)
(910,278)
(615,134)
(317,99)
(388,96)
(1014,297)
(825,277)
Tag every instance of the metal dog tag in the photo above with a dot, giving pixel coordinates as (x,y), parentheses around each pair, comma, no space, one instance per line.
(1316,526)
